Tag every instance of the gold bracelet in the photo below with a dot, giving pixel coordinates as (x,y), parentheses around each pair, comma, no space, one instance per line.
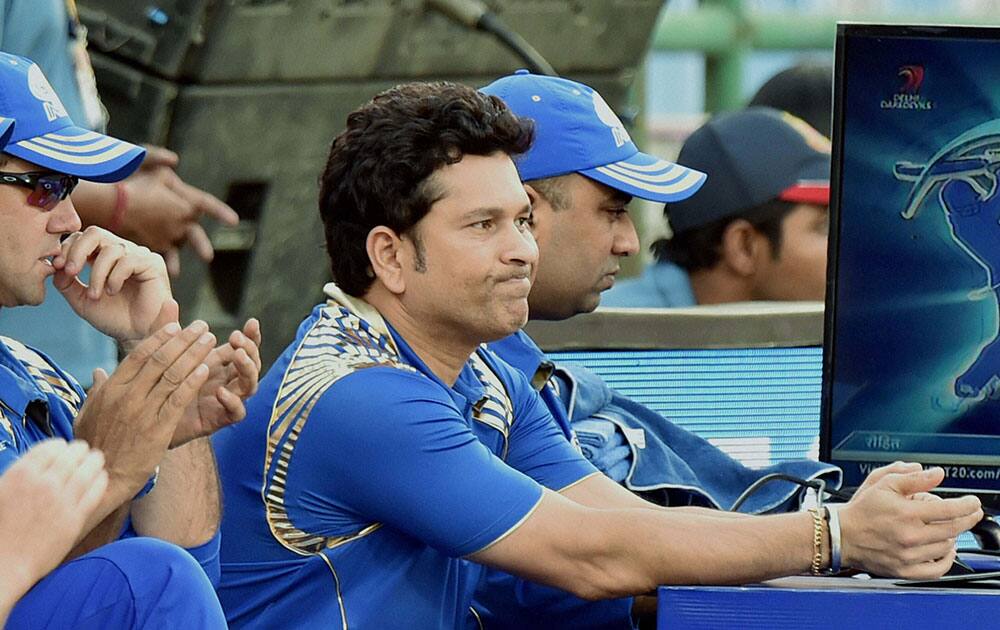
(817,560)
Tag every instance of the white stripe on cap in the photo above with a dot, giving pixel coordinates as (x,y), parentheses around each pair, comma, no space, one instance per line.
(671,174)
(645,168)
(102,143)
(83,137)
(100,158)
(690,179)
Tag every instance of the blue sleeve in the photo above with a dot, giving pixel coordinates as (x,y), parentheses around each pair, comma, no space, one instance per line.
(504,601)
(538,447)
(389,446)
(207,555)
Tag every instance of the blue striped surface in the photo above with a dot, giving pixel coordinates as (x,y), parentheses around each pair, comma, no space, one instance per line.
(760,405)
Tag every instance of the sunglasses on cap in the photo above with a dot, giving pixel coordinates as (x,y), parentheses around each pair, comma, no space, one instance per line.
(47,188)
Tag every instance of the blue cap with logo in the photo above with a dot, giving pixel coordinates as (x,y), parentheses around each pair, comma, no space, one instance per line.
(45,135)
(576,131)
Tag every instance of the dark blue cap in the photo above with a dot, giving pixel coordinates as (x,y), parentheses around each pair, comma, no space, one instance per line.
(752,156)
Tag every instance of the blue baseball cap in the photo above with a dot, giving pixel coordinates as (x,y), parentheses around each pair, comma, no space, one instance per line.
(576,131)
(45,134)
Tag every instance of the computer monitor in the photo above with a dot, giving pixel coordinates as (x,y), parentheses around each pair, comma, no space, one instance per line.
(912,332)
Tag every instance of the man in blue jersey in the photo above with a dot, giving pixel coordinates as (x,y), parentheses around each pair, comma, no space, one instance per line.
(388,455)
(149,418)
(581,173)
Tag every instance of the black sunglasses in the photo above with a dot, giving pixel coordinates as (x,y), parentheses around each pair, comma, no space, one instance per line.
(47,188)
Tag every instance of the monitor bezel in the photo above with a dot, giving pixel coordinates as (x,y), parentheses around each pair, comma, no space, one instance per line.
(845,33)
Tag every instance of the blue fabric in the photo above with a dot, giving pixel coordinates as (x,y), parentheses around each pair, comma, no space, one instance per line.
(669,458)
(136,583)
(604,445)
(661,285)
(377,478)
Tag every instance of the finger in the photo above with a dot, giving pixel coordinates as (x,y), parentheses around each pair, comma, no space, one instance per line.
(947,509)
(86,472)
(109,255)
(60,259)
(200,243)
(182,365)
(98,378)
(205,203)
(94,493)
(927,553)
(247,374)
(252,330)
(926,496)
(159,156)
(182,395)
(169,313)
(137,359)
(929,570)
(77,249)
(159,370)
(123,269)
(893,468)
(247,343)
(44,455)
(909,484)
(172,257)
(232,404)
(72,455)
(945,530)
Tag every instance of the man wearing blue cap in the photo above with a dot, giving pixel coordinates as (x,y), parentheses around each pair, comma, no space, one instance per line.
(580,174)
(173,388)
(389,455)
(757,230)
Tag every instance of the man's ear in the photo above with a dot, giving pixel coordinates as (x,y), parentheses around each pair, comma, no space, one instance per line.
(740,249)
(384,249)
(533,195)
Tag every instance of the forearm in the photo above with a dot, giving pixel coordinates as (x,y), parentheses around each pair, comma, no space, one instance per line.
(688,547)
(626,551)
(184,507)
(94,203)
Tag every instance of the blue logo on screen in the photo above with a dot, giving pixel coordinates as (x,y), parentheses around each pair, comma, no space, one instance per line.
(962,176)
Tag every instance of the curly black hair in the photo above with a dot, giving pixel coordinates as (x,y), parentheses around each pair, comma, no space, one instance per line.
(379,168)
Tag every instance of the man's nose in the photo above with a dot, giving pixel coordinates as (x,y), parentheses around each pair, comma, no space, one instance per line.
(63,219)
(519,247)
(626,241)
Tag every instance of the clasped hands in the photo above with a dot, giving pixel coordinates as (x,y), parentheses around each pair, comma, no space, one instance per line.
(176,384)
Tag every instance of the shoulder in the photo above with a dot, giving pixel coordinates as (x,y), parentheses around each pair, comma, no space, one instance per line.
(343,369)
(48,376)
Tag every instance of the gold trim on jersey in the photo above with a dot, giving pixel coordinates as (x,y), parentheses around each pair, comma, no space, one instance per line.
(45,375)
(495,408)
(338,344)
(6,425)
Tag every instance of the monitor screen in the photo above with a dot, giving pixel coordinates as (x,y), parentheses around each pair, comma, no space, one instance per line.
(912,341)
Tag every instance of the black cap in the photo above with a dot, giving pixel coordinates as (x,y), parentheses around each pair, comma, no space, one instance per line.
(804,90)
(752,156)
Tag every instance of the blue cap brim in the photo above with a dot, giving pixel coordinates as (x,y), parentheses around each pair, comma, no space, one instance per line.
(6,129)
(77,151)
(648,177)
